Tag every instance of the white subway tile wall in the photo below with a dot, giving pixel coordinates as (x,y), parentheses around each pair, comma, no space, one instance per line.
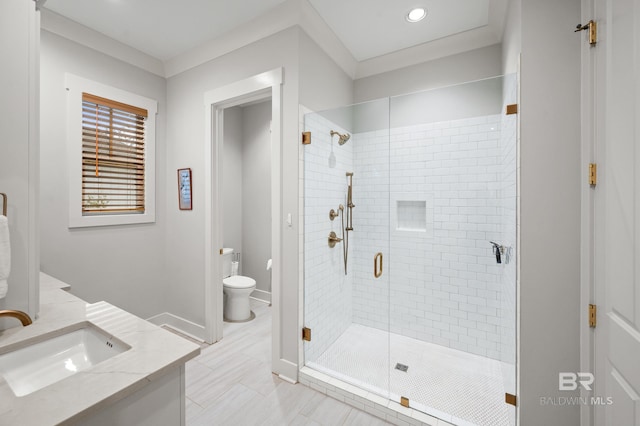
(327,290)
(444,282)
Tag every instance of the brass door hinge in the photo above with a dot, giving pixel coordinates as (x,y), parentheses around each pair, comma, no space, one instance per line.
(592,27)
(306,334)
(593,174)
(306,138)
(404,401)
(512,109)
(510,399)
(593,310)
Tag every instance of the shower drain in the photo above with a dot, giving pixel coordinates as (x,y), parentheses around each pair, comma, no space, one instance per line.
(402,367)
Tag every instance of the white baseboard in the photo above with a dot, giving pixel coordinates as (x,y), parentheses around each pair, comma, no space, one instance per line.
(184,326)
(261,295)
(287,370)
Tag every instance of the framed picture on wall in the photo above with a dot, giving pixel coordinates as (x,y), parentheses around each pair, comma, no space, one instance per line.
(184,189)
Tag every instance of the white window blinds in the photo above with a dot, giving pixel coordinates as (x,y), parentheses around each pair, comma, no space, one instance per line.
(113,157)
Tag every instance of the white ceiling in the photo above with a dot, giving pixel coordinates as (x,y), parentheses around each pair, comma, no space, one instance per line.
(369,29)
(162,28)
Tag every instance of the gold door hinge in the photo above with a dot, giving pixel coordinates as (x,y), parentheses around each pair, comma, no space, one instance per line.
(306,138)
(593,310)
(510,399)
(592,27)
(512,109)
(593,174)
(306,334)
(404,401)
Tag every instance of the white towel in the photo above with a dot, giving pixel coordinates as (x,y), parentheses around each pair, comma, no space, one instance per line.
(5,256)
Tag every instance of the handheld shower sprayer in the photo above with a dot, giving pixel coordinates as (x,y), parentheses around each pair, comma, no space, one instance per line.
(340,212)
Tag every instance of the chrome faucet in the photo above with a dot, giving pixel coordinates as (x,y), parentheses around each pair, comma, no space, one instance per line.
(24,318)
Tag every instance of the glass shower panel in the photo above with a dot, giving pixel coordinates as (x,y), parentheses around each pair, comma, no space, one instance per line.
(346,209)
(450,181)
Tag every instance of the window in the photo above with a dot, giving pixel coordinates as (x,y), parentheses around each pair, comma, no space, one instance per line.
(111,151)
(112,156)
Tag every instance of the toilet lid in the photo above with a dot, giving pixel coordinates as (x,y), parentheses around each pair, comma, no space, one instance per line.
(238,281)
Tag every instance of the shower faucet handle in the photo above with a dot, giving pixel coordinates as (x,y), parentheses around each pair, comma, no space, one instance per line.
(498,250)
(333,239)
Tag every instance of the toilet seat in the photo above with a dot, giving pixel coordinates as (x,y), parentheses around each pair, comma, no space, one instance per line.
(239,281)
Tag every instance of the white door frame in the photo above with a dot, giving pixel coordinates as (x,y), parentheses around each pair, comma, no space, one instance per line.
(261,86)
(588,136)
(589,133)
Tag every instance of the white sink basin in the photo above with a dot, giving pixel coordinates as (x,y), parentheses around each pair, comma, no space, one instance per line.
(53,358)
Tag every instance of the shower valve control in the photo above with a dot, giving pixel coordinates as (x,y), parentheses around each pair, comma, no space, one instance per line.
(333,239)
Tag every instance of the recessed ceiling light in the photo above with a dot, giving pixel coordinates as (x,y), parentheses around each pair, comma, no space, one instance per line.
(416,14)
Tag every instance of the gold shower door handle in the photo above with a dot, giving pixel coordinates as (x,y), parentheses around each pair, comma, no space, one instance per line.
(377,265)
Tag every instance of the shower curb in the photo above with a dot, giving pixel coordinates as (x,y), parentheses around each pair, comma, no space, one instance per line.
(368,402)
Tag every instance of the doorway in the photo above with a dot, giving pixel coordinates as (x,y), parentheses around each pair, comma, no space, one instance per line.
(253,90)
(246,203)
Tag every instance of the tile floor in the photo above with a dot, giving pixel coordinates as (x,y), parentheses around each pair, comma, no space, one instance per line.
(455,386)
(230,383)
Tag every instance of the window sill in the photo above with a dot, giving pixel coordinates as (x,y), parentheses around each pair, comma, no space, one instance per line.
(110,220)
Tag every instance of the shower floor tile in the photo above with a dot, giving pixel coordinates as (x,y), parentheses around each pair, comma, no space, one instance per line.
(455,386)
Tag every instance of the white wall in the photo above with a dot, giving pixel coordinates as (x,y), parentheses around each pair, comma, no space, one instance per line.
(185,135)
(256,193)
(323,84)
(232,179)
(550,207)
(465,100)
(247,189)
(19,44)
(123,265)
(464,67)
(512,37)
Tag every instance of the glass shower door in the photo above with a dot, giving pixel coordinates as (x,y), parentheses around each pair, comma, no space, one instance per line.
(346,239)
(452,200)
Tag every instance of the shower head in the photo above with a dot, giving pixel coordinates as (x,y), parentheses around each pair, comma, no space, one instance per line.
(342,138)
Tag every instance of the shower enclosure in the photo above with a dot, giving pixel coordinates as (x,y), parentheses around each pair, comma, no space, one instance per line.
(421,309)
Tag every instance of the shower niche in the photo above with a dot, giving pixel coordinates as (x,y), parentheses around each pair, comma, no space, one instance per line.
(412,212)
(434,180)
(411,215)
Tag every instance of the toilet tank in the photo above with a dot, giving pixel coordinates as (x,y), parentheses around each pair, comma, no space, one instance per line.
(227,257)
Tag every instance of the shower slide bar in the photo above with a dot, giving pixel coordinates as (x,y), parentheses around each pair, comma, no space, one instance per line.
(333,238)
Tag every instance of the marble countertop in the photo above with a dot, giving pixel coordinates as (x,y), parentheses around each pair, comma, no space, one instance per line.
(47,282)
(154,352)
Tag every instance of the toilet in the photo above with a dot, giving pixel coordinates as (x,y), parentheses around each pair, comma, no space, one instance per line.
(237,290)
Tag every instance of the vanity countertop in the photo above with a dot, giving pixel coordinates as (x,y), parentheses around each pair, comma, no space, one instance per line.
(153,353)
